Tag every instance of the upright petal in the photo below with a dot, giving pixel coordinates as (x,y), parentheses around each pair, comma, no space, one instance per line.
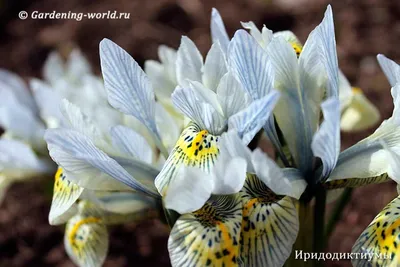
(218,31)
(214,67)
(390,68)
(381,237)
(65,194)
(77,66)
(326,141)
(270,225)
(192,104)
(129,89)
(209,236)
(53,69)
(231,95)
(296,112)
(251,65)
(92,168)
(189,62)
(249,121)
(86,241)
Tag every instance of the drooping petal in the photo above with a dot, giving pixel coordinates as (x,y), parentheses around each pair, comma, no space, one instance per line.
(192,104)
(326,141)
(129,89)
(86,241)
(231,95)
(131,143)
(296,112)
(281,182)
(218,31)
(270,225)
(189,62)
(214,67)
(91,167)
(121,202)
(65,194)
(390,68)
(360,114)
(195,147)
(249,121)
(209,236)
(189,191)
(380,240)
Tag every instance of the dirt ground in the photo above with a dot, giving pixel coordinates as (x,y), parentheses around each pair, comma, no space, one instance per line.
(364,28)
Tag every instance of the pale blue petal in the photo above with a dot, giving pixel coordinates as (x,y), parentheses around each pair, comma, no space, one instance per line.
(326,141)
(297,110)
(131,143)
(390,68)
(189,62)
(218,31)
(251,65)
(129,89)
(322,44)
(250,121)
(93,168)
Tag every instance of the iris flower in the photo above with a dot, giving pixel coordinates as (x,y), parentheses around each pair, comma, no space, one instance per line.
(381,238)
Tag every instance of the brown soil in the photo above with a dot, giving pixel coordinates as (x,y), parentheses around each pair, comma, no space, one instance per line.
(363,29)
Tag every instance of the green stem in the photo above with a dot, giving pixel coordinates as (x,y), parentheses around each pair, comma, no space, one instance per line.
(338,210)
(319,214)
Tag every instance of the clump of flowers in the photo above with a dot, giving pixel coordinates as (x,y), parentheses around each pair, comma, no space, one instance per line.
(185,154)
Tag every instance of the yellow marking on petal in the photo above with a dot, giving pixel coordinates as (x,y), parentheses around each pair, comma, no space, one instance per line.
(297,48)
(58,174)
(356,90)
(75,229)
(195,147)
(356,182)
(209,236)
(381,237)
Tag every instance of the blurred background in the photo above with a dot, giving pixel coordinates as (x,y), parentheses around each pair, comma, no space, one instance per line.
(364,28)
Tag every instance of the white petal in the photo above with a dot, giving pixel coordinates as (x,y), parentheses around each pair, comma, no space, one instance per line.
(53,69)
(129,89)
(251,65)
(214,67)
(19,161)
(326,141)
(92,168)
(206,95)
(168,126)
(218,31)
(250,120)
(345,92)
(390,68)
(131,143)
(262,37)
(288,36)
(360,114)
(229,175)
(394,163)
(168,58)
(77,65)
(189,62)
(191,103)
(163,87)
(289,183)
(48,102)
(189,191)
(231,95)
